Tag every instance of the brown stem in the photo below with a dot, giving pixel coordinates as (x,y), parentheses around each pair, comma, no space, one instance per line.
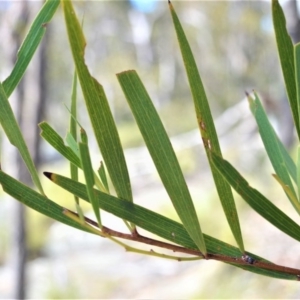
(241,261)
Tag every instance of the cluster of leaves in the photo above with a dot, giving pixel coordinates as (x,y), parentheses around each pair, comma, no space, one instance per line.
(186,237)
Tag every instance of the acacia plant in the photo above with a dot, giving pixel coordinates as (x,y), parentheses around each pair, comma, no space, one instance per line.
(185,237)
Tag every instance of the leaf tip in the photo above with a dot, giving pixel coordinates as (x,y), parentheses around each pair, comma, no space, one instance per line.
(49,175)
(125,72)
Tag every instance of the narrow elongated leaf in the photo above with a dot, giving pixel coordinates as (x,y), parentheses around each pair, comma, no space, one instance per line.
(73,116)
(71,137)
(55,140)
(49,208)
(13,133)
(256,200)
(286,56)
(136,214)
(207,129)
(289,163)
(271,143)
(288,191)
(72,155)
(297,75)
(298,171)
(162,153)
(30,44)
(36,201)
(160,225)
(71,141)
(89,175)
(72,134)
(102,175)
(100,114)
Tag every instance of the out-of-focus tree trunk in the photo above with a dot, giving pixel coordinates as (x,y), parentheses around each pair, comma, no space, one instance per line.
(18,234)
(27,102)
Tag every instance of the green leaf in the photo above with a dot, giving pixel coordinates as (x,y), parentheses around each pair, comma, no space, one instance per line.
(289,192)
(72,144)
(72,138)
(73,115)
(162,153)
(207,129)
(30,44)
(100,115)
(55,140)
(136,214)
(102,175)
(89,175)
(271,143)
(72,155)
(297,75)
(160,225)
(13,133)
(286,55)
(255,199)
(36,201)
(298,171)
(289,163)
(40,203)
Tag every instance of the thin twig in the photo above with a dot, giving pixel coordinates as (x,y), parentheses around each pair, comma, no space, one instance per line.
(240,261)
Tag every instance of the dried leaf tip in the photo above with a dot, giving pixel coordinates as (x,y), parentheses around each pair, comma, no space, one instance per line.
(247,94)
(48,174)
(169,1)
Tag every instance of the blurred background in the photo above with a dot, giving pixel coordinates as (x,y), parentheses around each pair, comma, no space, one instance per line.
(234,46)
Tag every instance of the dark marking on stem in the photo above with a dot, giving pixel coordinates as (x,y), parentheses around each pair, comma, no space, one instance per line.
(44,25)
(202,125)
(207,143)
(248,259)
